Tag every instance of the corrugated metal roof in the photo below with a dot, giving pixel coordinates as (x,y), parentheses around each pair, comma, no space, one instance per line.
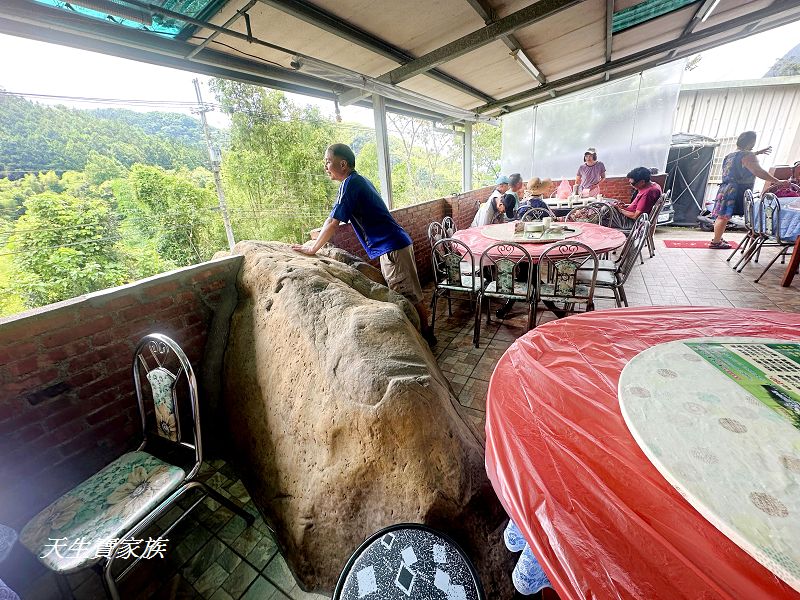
(450,57)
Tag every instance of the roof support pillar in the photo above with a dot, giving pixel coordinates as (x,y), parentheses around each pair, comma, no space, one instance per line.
(382,144)
(466,161)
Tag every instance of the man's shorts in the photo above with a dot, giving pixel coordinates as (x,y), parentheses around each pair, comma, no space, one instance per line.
(400,272)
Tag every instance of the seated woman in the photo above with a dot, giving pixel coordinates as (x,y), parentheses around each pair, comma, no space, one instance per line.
(489,211)
(647,194)
(534,195)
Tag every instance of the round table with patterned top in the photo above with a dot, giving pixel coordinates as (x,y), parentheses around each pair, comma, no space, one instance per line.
(598,238)
(599,516)
(408,561)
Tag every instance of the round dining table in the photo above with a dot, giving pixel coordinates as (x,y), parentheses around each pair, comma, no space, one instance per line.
(598,238)
(599,517)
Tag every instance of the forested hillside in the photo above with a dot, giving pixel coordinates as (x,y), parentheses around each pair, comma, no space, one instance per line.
(95,199)
(35,137)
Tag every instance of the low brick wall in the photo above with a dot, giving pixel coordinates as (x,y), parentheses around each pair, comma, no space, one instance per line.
(67,402)
(415,220)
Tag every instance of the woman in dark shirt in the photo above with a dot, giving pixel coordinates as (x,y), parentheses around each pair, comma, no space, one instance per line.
(739,172)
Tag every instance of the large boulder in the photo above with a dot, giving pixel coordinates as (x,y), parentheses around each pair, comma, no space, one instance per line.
(341,421)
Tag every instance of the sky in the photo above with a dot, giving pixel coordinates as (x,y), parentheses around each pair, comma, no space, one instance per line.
(40,68)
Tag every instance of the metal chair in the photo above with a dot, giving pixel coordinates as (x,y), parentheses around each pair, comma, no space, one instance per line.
(651,230)
(605,212)
(750,237)
(108,511)
(449,226)
(558,279)
(409,560)
(537,214)
(584,214)
(769,225)
(508,280)
(449,259)
(612,275)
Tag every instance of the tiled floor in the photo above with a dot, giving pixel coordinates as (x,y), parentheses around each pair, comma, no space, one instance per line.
(214,555)
(675,276)
(211,554)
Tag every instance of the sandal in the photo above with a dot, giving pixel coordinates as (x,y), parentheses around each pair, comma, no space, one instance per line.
(720,245)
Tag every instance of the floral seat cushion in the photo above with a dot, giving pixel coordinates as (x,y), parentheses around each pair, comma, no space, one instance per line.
(580,293)
(81,526)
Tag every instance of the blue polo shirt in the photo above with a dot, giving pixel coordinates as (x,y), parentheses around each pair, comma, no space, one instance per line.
(360,203)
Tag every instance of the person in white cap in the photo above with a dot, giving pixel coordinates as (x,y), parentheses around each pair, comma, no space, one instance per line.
(590,174)
(501,185)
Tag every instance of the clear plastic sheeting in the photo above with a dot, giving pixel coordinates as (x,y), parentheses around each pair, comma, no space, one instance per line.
(599,517)
(629,121)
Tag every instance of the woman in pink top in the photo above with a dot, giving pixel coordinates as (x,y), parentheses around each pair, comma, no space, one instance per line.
(647,194)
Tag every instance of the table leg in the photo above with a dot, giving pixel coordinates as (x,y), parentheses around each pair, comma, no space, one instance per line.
(794,262)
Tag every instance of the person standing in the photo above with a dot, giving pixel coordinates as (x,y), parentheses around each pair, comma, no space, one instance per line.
(590,174)
(359,203)
(739,172)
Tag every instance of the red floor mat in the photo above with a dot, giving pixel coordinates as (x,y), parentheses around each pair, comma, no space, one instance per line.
(692,244)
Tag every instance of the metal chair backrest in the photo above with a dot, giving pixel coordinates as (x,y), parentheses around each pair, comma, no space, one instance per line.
(505,259)
(632,248)
(435,232)
(657,211)
(769,217)
(748,211)
(584,214)
(605,212)
(449,226)
(448,257)
(559,265)
(537,214)
(163,374)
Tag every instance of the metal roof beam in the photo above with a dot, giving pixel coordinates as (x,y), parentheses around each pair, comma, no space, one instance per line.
(639,68)
(696,19)
(477,39)
(332,24)
(609,27)
(778,7)
(487,13)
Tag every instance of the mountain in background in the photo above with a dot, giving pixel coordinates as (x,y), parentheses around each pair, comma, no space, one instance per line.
(788,64)
(35,137)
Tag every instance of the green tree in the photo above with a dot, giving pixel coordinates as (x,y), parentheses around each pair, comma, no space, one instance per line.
(273,173)
(169,209)
(63,247)
(486,150)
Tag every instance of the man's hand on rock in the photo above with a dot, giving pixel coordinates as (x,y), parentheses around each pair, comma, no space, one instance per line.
(303,249)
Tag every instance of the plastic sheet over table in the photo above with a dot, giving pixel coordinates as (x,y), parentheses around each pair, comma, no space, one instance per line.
(601,520)
(598,238)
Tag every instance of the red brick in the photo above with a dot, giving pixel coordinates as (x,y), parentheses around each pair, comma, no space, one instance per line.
(29,327)
(58,338)
(87,328)
(118,302)
(67,431)
(105,412)
(161,288)
(148,309)
(24,366)
(77,380)
(16,351)
(64,415)
(67,350)
(81,361)
(29,433)
(112,380)
(38,379)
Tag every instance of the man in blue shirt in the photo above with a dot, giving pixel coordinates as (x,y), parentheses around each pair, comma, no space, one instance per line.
(359,203)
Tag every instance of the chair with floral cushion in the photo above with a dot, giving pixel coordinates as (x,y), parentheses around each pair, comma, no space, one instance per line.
(567,273)
(96,521)
(509,268)
(449,226)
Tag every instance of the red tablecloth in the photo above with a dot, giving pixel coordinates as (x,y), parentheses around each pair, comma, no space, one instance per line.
(599,517)
(598,238)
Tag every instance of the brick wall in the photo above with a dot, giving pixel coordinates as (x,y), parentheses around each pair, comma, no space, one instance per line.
(614,187)
(415,220)
(67,403)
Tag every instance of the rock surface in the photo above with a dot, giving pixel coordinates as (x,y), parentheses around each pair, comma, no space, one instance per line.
(342,423)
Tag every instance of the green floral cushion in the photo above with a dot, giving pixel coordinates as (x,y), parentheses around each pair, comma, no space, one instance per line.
(577,294)
(162,382)
(75,530)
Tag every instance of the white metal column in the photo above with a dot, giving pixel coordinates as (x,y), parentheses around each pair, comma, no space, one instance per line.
(382,144)
(466,162)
